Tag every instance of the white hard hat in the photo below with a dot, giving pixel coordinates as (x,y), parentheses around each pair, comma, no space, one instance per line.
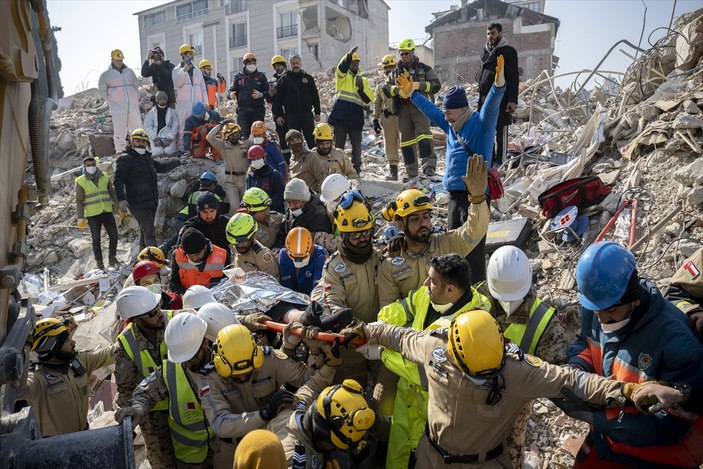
(197,296)
(184,336)
(135,301)
(216,316)
(333,187)
(509,274)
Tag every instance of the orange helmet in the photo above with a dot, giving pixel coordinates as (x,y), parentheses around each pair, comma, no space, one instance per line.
(248,56)
(299,243)
(258,129)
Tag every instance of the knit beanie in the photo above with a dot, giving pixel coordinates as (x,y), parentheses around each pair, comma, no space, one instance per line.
(206,200)
(193,241)
(455,98)
(293,133)
(297,189)
(260,449)
(199,109)
(160,94)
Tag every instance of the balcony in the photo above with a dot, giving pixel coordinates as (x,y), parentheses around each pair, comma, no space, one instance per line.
(191,15)
(235,6)
(287,31)
(237,41)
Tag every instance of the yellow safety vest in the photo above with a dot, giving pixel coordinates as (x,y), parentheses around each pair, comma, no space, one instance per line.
(190,434)
(527,336)
(143,361)
(345,85)
(97,197)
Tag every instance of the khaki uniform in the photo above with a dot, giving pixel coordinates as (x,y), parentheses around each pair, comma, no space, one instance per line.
(385,111)
(398,275)
(336,162)
(258,258)
(459,419)
(268,234)
(236,166)
(60,397)
(686,287)
(308,167)
(157,434)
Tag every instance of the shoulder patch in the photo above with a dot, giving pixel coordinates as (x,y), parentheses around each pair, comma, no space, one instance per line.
(397,260)
(267,257)
(691,270)
(644,361)
(341,267)
(534,361)
(280,354)
(439,354)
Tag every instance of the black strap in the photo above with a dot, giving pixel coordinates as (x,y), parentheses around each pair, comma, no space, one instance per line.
(464,459)
(463,143)
(235,173)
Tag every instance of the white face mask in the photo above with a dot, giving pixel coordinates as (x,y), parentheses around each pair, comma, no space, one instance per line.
(258,164)
(441,309)
(91,169)
(614,326)
(192,262)
(141,151)
(258,140)
(297,213)
(510,306)
(301,264)
(251,68)
(162,106)
(206,117)
(155,288)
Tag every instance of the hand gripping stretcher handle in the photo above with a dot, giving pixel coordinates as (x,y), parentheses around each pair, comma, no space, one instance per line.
(324,336)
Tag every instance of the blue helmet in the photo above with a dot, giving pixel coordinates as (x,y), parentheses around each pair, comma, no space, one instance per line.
(208,176)
(602,274)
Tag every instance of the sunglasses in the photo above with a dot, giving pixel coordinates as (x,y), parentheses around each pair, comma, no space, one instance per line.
(349,198)
(151,314)
(360,234)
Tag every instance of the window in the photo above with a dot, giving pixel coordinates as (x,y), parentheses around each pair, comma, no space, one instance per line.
(196,40)
(154,18)
(199,8)
(286,53)
(315,51)
(234,6)
(238,37)
(237,66)
(289,24)
(534,6)
(192,10)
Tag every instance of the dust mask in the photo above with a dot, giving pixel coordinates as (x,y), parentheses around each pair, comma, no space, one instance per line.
(192,262)
(301,264)
(510,306)
(258,140)
(251,68)
(162,106)
(258,163)
(155,288)
(614,326)
(297,213)
(141,151)
(441,309)
(91,169)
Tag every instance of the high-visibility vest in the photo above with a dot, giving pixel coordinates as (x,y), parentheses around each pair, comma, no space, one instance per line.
(191,275)
(191,436)
(97,197)
(143,361)
(345,86)
(527,336)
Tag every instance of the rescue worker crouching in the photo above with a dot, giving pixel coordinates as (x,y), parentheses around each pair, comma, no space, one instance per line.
(196,129)
(249,254)
(197,261)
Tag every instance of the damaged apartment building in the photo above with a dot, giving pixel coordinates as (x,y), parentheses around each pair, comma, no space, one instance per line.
(222,31)
(459,36)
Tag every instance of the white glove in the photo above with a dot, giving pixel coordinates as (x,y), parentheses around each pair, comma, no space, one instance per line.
(370,352)
(256,94)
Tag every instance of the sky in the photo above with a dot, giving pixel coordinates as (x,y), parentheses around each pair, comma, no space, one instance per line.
(92,28)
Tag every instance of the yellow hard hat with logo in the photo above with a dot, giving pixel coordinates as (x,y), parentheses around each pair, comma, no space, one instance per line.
(387,61)
(352,218)
(185,48)
(410,201)
(140,134)
(116,54)
(236,352)
(476,344)
(46,329)
(322,132)
(345,412)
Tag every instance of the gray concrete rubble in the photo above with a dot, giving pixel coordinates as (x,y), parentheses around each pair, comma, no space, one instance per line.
(642,134)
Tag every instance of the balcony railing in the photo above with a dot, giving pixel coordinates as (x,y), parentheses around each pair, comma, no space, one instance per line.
(237,41)
(235,6)
(287,31)
(190,16)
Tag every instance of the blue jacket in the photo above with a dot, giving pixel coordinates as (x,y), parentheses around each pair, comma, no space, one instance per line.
(274,157)
(305,279)
(657,344)
(193,123)
(478,133)
(271,182)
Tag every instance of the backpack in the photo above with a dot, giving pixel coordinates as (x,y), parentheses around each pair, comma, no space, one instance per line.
(582,192)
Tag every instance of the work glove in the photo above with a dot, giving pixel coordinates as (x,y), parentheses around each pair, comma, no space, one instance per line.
(123,205)
(500,72)
(312,315)
(370,352)
(405,85)
(137,413)
(357,331)
(695,322)
(476,178)
(351,51)
(395,244)
(291,340)
(254,321)
(157,142)
(359,82)
(166,141)
(256,94)
(629,389)
(416,85)
(376,126)
(279,400)
(82,224)
(333,354)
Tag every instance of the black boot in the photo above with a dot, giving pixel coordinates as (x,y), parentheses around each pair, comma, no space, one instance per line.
(393,176)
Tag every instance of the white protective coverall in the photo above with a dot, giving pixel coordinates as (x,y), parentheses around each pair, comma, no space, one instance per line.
(151,125)
(188,92)
(120,88)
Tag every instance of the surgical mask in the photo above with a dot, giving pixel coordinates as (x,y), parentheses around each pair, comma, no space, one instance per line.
(192,262)
(258,164)
(297,213)
(258,140)
(91,169)
(141,151)
(510,306)
(206,117)
(301,264)
(441,309)
(162,106)
(155,288)
(251,68)
(614,326)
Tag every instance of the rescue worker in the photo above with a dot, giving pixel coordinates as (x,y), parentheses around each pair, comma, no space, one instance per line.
(119,88)
(214,86)
(406,270)
(57,384)
(197,296)
(197,261)
(96,205)
(147,274)
(686,291)
(280,67)
(413,125)
(208,221)
(526,320)
(140,347)
(274,156)
(301,261)
(161,125)
(620,308)
(258,204)
(234,154)
(334,159)
(265,177)
(160,70)
(352,99)
(243,392)
(304,210)
(249,254)
(176,381)
(385,118)
(305,164)
(190,89)
(477,386)
(333,188)
(249,88)
(296,104)
(136,186)
(195,131)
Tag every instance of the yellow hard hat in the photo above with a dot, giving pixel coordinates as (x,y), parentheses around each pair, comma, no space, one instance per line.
(353,218)
(345,412)
(230,129)
(204,63)
(140,134)
(476,344)
(185,48)
(387,61)
(116,55)
(322,132)
(153,254)
(255,200)
(388,212)
(235,351)
(46,328)
(406,44)
(410,201)
(356,57)
(278,59)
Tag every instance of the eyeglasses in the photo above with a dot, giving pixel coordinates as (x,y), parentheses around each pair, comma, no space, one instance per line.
(360,234)
(349,198)
(151,314)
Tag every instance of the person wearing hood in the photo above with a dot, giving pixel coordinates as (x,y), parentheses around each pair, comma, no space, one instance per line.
(497,46)
(96,205)
(305,164)
(195,131)
(161,124)
(208,221)
(190,89)
(119,87)
(304,210)
(265,177)
(197,261)
(250,88)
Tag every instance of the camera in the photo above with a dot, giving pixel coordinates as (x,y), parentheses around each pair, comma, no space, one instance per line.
(156,55)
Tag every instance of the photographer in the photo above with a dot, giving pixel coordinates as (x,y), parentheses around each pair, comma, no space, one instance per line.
(160,72)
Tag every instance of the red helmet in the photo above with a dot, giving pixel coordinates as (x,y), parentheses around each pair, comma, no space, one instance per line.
(256,152)
(144,268)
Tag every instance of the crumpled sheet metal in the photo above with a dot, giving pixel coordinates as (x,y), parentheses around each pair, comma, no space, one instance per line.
(257,292)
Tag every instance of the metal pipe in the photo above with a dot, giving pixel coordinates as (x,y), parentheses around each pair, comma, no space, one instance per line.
(621,41)
(657,227)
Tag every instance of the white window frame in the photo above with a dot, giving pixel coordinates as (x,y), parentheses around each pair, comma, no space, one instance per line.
(195,29)
(239,52)
(156,38)
(285,43)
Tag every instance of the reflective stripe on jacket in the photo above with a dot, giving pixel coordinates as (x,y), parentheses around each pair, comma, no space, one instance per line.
(191,275)
(97,197)
(527,336)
